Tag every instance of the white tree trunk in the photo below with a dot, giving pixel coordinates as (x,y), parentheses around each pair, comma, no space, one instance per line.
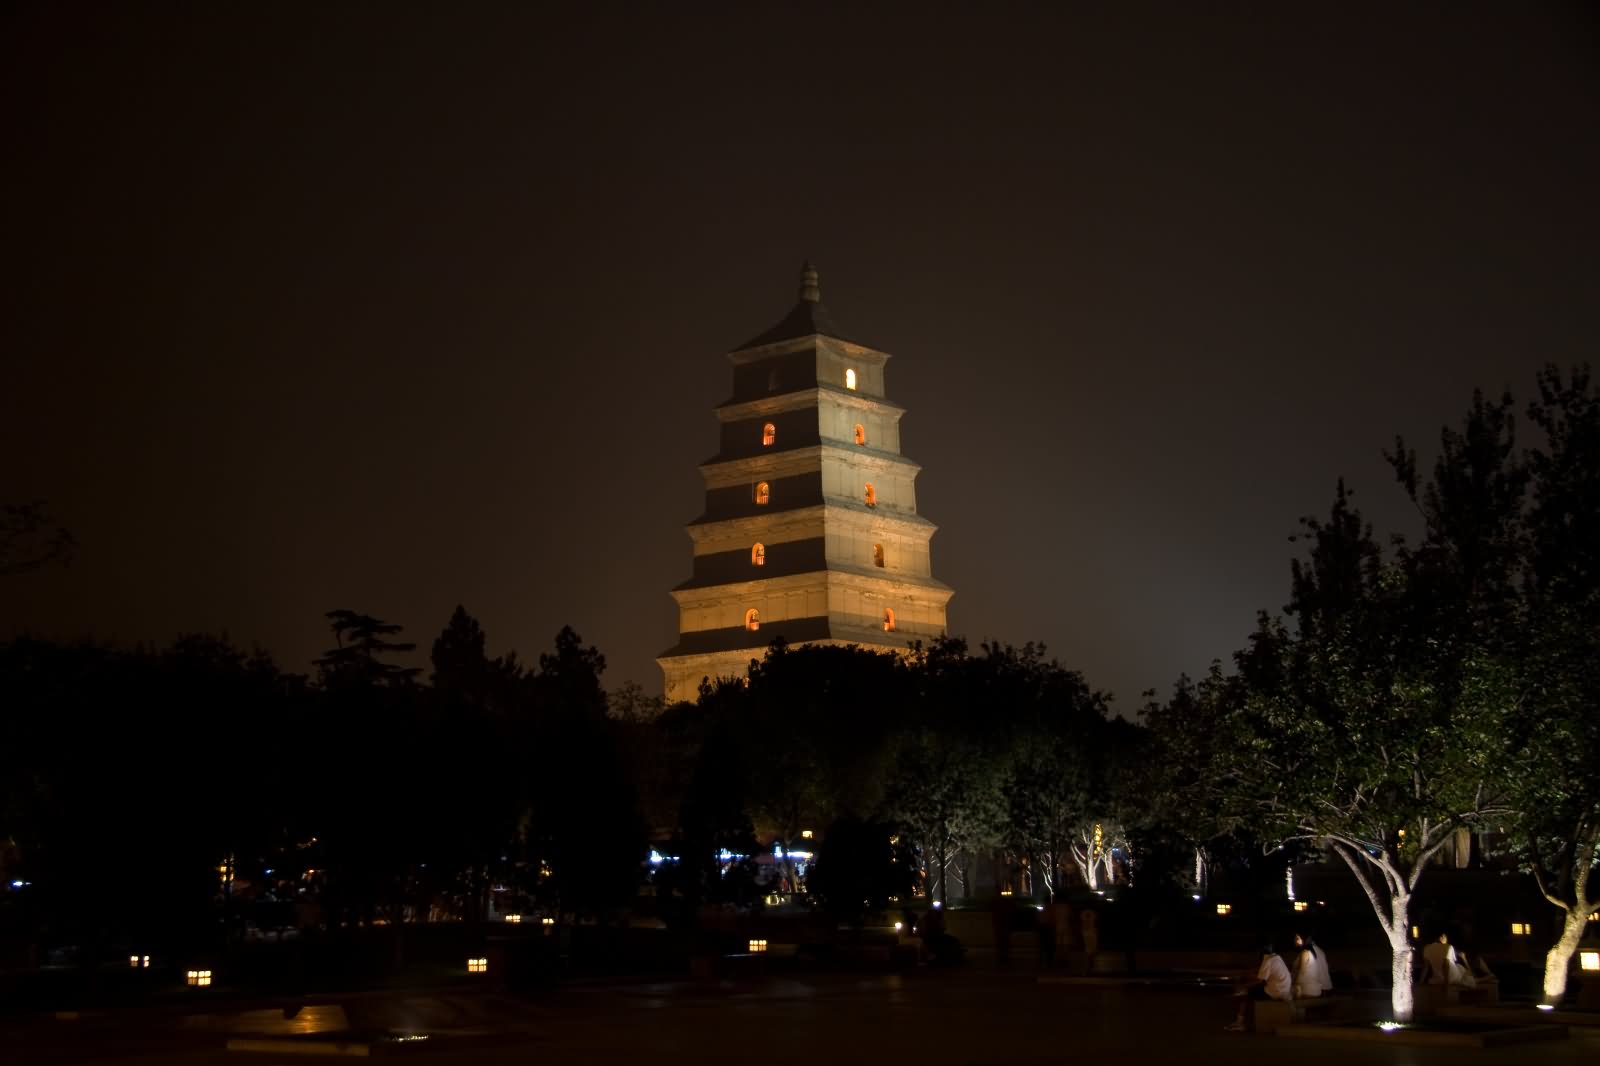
(1087,863)
(1402,997)
(1395,918)
(1560,957)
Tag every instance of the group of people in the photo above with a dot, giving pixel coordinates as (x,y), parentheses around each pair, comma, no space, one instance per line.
(1274,979)
(1442,964)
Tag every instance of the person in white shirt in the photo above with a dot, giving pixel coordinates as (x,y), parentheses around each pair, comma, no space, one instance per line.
(1441,965)
(1273,981)
(1311,977)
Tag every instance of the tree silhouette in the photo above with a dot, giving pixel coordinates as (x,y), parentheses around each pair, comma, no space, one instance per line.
(360,641)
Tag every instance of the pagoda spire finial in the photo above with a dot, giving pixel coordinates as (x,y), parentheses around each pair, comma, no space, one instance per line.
(810,292)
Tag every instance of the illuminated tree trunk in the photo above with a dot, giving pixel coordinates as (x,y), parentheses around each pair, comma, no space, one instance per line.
(1402,999)
(1086,853)
(1088,864)
(1560,957)
(1395,919)
(1572,928)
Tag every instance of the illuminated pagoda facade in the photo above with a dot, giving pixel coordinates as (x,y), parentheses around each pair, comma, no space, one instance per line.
(810,530)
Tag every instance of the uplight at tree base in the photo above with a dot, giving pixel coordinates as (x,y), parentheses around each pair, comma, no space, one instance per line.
(1390,1027)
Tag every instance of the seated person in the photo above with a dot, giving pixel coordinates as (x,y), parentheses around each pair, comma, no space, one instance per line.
(1272,981)
(1477,966)
(1442,966)
(1311,977)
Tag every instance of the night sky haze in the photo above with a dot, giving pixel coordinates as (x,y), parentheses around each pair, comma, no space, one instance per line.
(395,306)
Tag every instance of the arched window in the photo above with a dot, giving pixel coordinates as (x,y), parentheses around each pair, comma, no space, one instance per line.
(763,493)
(752,619)
(849,379)
(861,433)
(872,495)
(758,555)
(769,433)
(888,619)
(877,555)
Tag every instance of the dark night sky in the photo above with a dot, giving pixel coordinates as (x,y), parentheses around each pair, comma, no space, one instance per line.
(392,307)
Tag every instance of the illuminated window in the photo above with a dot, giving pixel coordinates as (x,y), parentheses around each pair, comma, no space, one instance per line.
(763,493)
(769,433)
(806,834)
(872,495)
(513,918)
(888,620)
(547,921)
(477,965)
(758,946)
(849,379)
(1589,960)
(758,555)
(139,962)
(861,433)
(198,978)
(1520,929)
(752,619)
(1224,909)
(877,555)
(1300,905)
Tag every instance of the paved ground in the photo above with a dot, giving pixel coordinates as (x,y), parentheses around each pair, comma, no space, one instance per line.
(961,1018)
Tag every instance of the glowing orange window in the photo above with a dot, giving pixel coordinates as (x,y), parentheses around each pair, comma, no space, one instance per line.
(769,433)
(877,555)
(758,555)
(752,619)
(763,493)
(861,433)
(888,620)
(872,495)
(849,379)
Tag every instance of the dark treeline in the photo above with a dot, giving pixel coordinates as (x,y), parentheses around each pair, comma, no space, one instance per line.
(170,796)
(166,797)
(985,770)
